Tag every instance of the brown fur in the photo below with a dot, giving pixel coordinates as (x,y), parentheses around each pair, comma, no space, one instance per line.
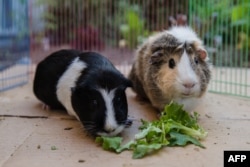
(151,75)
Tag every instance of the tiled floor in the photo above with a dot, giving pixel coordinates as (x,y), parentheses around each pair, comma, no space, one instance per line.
(31,141)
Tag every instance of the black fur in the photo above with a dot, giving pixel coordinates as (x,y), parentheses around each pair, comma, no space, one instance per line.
(48,73)
(86,100)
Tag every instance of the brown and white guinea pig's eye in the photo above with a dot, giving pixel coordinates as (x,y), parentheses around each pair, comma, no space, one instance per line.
(190,50)
(171,63)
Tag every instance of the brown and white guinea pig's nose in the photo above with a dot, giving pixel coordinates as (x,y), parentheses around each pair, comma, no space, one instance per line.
(189,88)
(189,85)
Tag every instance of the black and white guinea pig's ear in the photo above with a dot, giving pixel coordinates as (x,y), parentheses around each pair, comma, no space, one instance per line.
(202,53)
(125,83)
(128,83)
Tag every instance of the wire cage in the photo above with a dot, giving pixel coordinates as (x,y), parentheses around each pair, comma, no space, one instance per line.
(115,28)
(225,29)
(14,43)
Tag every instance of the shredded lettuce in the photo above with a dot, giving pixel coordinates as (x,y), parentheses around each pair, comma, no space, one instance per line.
(175,127)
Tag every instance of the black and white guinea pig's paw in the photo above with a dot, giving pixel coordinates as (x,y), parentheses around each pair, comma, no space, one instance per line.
(128,123)
(45,107)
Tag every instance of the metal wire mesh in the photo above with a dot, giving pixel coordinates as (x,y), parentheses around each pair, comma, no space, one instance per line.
(14,43)
(225,29)
(116,27)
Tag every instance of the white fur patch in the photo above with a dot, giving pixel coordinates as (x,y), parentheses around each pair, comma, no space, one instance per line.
(118,130)
(186,75)
(110,122)
(189,104)
(111,126)
(185,70)
(66,82)
(184,34)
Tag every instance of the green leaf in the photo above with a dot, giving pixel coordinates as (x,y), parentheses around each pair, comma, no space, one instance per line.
(109,143)
(142,150)
(196,133)
(130,145)
(182,140)
(175,112)
(237,12)
(54,148)
(150,129)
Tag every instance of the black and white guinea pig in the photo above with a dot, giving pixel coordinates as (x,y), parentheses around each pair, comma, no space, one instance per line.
(171,66)
(88,86)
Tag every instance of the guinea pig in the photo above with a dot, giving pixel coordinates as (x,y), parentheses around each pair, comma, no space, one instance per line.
(172,65)
(87,86)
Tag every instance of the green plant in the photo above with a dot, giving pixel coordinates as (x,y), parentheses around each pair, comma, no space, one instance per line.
(133,29)
(240,21)
(225,28)
(222,18)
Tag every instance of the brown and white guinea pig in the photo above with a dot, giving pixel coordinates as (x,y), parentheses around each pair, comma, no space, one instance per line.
(88,86)
(171,65)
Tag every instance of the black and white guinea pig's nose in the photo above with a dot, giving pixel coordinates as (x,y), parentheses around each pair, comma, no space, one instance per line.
(110,129)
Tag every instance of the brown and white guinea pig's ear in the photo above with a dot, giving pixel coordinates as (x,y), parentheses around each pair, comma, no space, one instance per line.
(156,57)
(202,53)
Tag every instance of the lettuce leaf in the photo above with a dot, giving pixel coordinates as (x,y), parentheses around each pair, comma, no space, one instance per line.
(182,140)
(109,143)
(141,150)
(175,127)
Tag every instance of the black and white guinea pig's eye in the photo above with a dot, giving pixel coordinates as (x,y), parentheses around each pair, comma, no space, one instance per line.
(93,103)
(171,63)
(118,99)
(196,60)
